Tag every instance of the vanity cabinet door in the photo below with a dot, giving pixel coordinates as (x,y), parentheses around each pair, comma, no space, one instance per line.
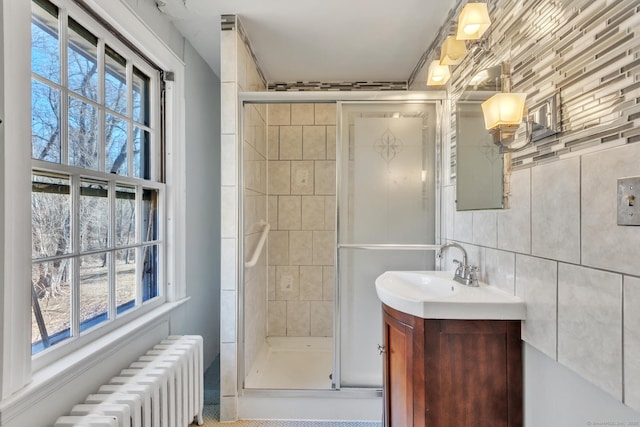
(473,373)
(403,369)
(451,373)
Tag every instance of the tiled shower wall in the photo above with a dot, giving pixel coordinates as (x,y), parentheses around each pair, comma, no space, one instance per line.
(559,245)
(238,72)
(302,203)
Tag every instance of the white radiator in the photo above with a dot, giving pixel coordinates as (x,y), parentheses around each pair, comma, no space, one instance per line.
(163,388)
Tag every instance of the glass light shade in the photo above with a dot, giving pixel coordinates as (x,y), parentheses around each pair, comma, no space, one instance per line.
(437,74)
(503,109)
(473,21)
(453,51)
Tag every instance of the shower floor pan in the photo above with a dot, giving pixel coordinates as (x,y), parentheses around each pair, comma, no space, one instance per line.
(293,363)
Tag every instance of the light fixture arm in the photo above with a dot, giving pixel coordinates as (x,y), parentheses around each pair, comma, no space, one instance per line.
(507,148)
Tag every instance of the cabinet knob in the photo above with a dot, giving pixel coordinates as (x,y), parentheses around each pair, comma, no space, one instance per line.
(381,349)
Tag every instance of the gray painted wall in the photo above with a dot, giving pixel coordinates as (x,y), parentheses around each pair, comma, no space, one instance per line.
(201,314)
(555,396)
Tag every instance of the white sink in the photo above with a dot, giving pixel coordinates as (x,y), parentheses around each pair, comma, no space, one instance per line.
(435,295)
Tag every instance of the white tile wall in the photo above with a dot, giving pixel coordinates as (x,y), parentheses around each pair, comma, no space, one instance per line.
(301,249)
(298,318)
(514,224)
(302,214)
(302,114)
(228,312)
(328,283)
(313,212)
(463,226)
(555,205)
(330,213)
(287,283)
(273,142)
(314,142)
(277,318)
(238,72)
(537,281)
(279,114)
(290,142)
(228,156)
(325,114)
(228,377)
(228,110)
(590,325)
(321,318)
(499,269)
(289,212)
(278,247)
(311,283)
(323,247)
(604,243)
(325,176)
(228,56)
(564,212)
(302,178)
(229,214)
(228,264)
(331,141)
(279,177)
(448,210)
(485,228)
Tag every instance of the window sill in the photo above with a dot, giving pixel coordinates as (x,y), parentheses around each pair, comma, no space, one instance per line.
(66,369)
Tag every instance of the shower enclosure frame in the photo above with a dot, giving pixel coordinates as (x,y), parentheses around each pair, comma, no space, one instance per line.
(437,98)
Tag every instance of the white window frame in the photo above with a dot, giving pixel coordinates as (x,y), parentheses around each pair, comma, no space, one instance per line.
(17,368)
(46,356)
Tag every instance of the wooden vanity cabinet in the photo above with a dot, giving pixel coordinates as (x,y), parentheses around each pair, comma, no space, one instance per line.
(451,373)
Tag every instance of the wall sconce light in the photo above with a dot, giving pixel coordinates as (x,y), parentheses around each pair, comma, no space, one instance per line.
(437,74)
(473,21)
(503,114)
(453,51)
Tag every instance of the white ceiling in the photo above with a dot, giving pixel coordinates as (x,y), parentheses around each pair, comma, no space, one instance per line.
(319,40)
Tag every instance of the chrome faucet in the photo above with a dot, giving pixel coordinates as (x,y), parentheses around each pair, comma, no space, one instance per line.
(465,274)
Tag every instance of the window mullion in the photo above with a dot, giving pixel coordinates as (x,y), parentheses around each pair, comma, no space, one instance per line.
(130,140)
(75,239)
(64,91)
(155,98)
(112,276)
(102,143)
(139,250)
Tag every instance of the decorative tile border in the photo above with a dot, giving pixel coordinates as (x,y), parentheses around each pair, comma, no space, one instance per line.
(336,86)
(232,22)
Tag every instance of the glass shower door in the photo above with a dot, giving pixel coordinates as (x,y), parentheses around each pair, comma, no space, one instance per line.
(386,205)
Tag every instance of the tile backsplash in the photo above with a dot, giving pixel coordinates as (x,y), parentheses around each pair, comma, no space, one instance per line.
(301,182)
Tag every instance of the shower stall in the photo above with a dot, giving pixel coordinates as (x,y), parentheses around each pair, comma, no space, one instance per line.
(335,191)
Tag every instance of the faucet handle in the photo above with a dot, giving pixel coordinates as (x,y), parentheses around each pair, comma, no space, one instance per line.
(473,275)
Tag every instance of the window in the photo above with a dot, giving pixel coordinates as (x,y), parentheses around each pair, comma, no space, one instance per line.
(97,248)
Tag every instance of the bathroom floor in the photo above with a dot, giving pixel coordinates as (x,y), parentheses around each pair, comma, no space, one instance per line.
(293,363)
(279,356)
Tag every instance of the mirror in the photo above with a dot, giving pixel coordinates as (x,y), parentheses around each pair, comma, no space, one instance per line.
(479,163)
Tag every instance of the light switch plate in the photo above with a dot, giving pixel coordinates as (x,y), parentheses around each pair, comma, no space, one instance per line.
(629,201)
